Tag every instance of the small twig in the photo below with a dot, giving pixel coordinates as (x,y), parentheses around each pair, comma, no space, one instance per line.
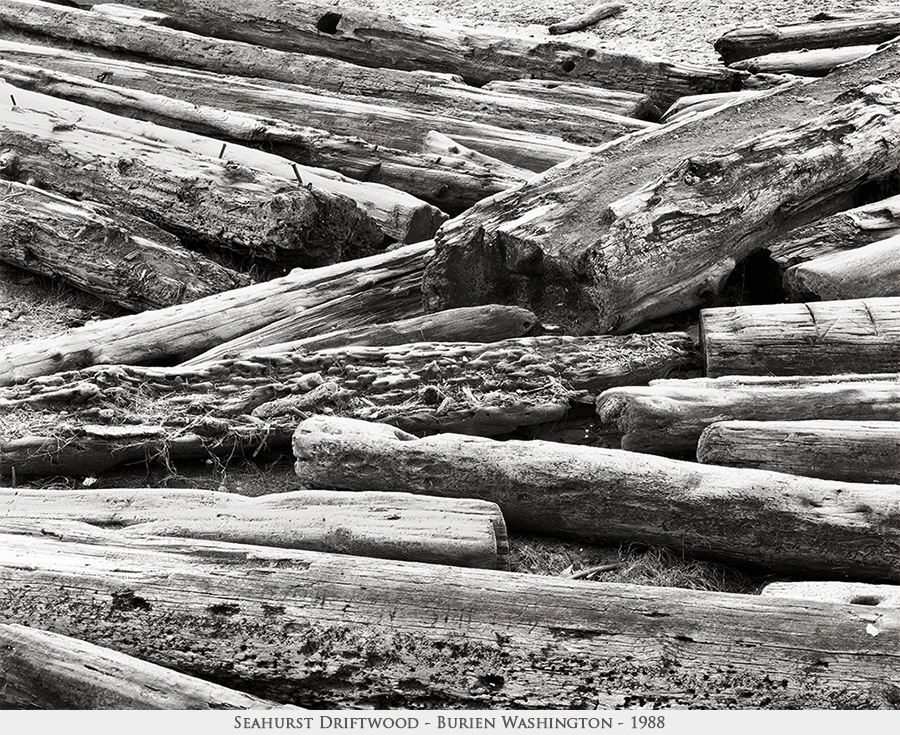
(13,101)
(595,570)
(297,174)
(222,152)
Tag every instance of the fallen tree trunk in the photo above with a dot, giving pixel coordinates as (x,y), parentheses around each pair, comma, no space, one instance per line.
(653,224)
(376,40)
(335,632)
(48,671)
(474,324)
(105,414)
(467,533)
(745,43)
(783,523)
(854,451)
(816,63)
(817,338)
(845,230)
(586,19)
(842,593)
(103,251)
(668,416)
(84,153)
(868,271)
(383,287)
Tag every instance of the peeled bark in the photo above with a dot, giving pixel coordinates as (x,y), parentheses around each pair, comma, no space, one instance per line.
(668,416)
(653,224)
(378,288)
(113,255)
(816,338)
(744,43)
(469,533)
(81,152)
(586,19)
(336,632)
(48,671)
(377,40)
(868,271)
(842,593)
(474,324)
(816,63)
(854,451)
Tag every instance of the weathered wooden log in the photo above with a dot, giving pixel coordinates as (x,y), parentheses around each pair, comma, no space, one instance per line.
(855,451)
(782,522)
(868,271)
(445,147)
(82,152)
(369,290)
(377,40)
(589,17)
(113,255)
(127,12)
(745,43)
(654,223)
(617,101)
(684,106)
(668,416)
(468,533)
(336,632)
(845,230)
(816,63)
(843,593)
(817,338)
(473,324)
(48,671)
(102,415)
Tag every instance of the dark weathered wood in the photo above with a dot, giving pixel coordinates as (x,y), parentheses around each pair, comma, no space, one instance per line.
(858,273)
(468,533)
(113,255)
(845,230)
(339,632)
(653,224)
(843,593)
(816,63)
(780,522)
(744,43)
(48,671)
(854,451)
(668,416)
(82,152)
(370,290)
(589,17)
(473,324)
(375,39)
(816,338)
(107,413)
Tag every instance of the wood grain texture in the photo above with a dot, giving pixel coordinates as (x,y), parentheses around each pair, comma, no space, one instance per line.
(331,631)
(815,63)
(844,593)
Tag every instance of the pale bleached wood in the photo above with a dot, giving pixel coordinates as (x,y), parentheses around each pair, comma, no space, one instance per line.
(589,17)
(858,273)
(129,13)
(692,104)
(469,533)
(815,338)
(360,291)
(436,143)
(104,251)
(668,416)
(781,522)
(854,451)
(816,63)
(48,671)
(843,593)
(341,632)
(653,224)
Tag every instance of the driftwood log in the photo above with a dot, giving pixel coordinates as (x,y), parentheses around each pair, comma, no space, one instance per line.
(472,324)
(816,338)
(108,414)
(82,152)
(370,290)
(653,224)
(815,63)
(782,522)
(854,451)
(589,17)
(844,593)
(692,104)
(858,273)
(378,40)
(48,671)
(668,416)
(467,533)
(332,631)
(113,255)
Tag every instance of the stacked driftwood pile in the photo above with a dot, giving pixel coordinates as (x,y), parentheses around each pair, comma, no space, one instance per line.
(471,338)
